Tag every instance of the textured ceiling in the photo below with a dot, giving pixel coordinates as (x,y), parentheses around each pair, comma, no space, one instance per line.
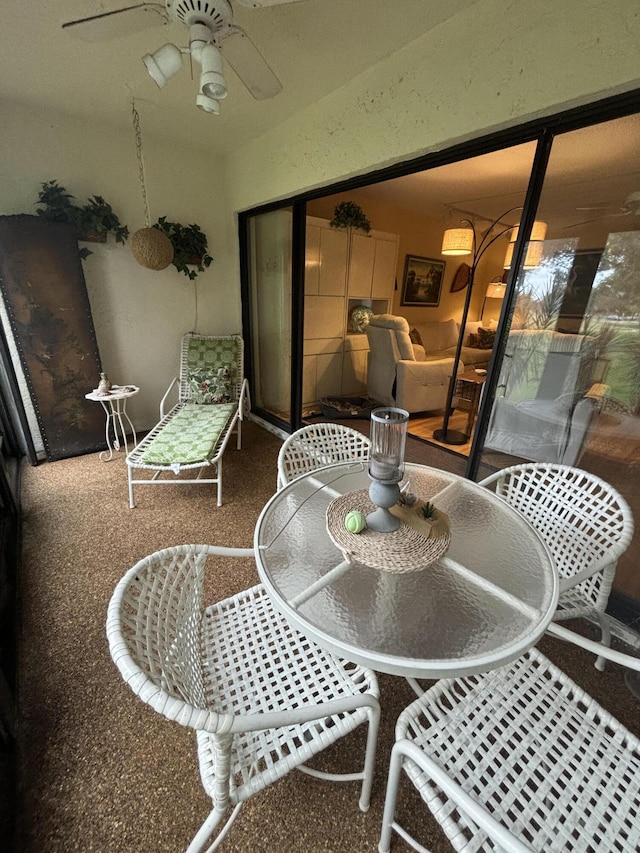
(314,47)
(309,44)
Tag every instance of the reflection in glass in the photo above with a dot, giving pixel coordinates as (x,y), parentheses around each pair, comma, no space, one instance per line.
(270,280)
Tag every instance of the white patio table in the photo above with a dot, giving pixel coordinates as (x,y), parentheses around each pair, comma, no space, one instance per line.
(486,600)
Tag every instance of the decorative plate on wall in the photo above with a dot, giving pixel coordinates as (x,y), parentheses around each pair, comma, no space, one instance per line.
(359,318)
(461,278)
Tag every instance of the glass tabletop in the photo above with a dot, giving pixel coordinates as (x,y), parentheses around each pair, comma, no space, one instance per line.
(480,605)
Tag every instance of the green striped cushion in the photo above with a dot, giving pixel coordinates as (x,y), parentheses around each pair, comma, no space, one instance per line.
(190,436)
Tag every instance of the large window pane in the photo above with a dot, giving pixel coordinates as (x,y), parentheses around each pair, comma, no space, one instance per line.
(568,389)
(270,306)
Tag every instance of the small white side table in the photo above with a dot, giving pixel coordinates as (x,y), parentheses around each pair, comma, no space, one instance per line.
(115,407)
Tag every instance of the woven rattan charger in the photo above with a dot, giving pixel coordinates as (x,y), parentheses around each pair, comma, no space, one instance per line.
(412,547)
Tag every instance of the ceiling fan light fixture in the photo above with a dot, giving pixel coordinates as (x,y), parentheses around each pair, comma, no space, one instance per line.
(212,82)
(207,105)
(163,64)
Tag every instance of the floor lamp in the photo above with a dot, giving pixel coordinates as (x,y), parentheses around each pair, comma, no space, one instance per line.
(464,241)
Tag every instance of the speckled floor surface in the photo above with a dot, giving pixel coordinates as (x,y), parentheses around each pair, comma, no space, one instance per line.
(102,772)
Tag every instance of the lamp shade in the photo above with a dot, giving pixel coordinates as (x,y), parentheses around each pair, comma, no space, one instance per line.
(164,63)
(538,231)
(207,105)
(212,82)
(496,290)
(457,241)
(534,246)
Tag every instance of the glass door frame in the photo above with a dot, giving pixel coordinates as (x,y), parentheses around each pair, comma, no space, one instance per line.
(542,131)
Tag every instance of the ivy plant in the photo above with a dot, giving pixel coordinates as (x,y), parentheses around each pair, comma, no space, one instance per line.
(190,252)
(94,218)
(348,214)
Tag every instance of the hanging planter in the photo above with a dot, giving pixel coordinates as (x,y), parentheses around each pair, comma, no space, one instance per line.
(92,221)
(152,249)
(190,252)
(348,214)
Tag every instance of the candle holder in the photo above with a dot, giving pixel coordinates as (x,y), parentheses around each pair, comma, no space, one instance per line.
(386,465)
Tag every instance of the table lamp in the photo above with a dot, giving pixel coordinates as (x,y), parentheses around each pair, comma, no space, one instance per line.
(386,465)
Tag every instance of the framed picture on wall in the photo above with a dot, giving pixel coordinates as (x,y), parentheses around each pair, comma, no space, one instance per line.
(422,281)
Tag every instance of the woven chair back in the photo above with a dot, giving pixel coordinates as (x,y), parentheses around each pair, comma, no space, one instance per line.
(317,445)
(205,355)
(160,613)
(581,518)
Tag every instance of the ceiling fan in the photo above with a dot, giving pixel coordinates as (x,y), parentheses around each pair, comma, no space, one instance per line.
(212,31)
(631,207)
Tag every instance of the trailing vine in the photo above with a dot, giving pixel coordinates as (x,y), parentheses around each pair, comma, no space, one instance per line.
(189,246)
(93,219)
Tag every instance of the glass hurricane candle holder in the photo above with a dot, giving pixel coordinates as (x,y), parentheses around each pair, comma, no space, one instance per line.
(386,465)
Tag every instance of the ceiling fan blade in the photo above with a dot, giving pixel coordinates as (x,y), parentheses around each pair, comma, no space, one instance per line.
(120,22)
(257,4)
(596,219)
(247,61)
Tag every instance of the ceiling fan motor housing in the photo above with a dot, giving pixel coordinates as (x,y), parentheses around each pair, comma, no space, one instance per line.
(214,14)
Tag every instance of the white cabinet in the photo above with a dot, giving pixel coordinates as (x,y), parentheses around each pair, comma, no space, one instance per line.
(343,270)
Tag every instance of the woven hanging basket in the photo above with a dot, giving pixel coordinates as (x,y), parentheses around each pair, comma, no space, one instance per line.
(151,248)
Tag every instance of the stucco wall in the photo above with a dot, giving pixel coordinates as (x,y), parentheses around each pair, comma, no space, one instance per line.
(495,65)
(139,315)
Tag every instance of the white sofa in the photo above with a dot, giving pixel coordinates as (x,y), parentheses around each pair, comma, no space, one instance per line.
(398,373)
(546,399)
(439,340)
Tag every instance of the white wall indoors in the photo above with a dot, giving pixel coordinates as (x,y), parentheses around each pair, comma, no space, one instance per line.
(139,315)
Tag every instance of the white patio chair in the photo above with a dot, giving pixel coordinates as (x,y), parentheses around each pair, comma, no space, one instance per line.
(585,523)
(261,697)
(317,445)
(519,759)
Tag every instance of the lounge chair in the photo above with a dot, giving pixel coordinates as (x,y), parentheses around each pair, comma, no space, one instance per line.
(213,397)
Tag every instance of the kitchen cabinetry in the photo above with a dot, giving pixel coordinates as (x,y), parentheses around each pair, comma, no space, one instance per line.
(345,270)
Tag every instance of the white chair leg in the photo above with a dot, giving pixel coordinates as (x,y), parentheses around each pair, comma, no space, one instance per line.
(390,801)
(605,639)
(220,481)
(207,829)
(369,759)
(132,502)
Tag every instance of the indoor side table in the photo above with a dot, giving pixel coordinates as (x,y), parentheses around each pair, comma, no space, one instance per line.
(482,603)
(115,406)
(469,388)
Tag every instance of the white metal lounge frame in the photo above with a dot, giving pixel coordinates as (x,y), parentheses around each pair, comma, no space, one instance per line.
(317,445)
(522,756)
(135,459)
(585,523)
(261,698)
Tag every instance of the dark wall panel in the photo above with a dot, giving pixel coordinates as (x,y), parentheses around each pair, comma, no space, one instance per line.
(44,290)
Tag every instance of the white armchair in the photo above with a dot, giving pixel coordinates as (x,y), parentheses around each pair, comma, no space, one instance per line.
(396,376)
(546,399)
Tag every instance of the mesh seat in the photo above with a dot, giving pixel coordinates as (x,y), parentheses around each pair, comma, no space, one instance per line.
(261,697)
(317,445)
(585,523)
(191,438)
(522,756)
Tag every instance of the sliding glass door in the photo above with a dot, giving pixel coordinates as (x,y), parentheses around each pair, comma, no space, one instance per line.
(568,389)
(269,240)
